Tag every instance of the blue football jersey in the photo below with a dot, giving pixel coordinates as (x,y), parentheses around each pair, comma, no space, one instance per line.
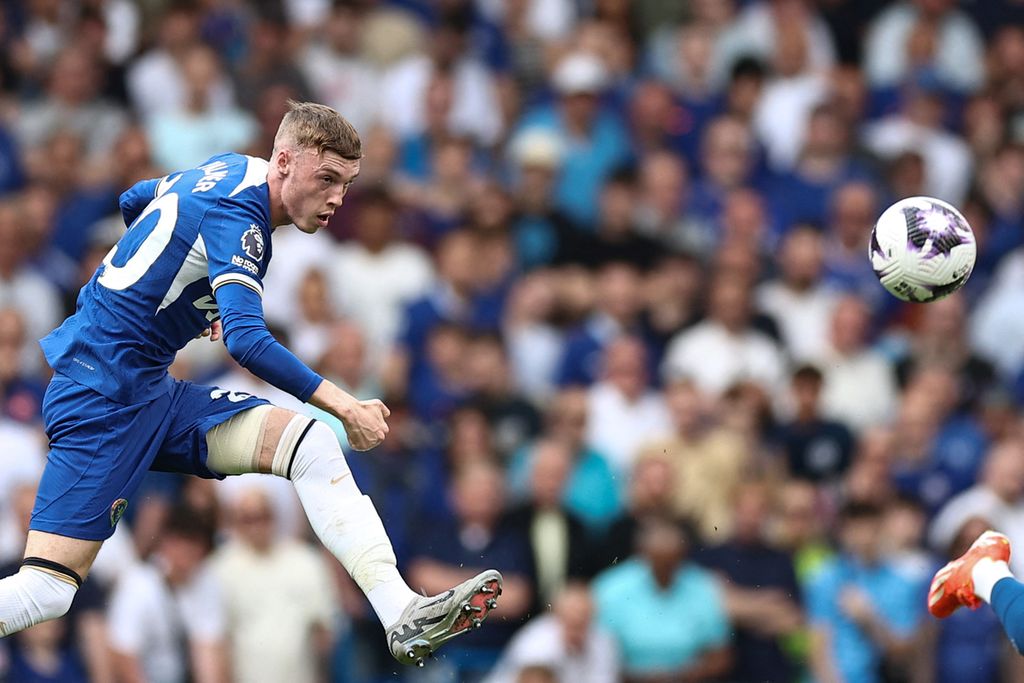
(188,233)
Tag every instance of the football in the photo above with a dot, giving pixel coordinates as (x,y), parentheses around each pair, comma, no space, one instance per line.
(922,249)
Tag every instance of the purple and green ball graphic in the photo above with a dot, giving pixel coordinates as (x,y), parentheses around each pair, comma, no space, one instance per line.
(922,249)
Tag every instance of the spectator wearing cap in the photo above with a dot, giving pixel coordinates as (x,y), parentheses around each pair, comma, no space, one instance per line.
(542,232)
(596,140)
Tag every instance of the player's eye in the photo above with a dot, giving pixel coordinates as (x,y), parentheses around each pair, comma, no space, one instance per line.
(326,179)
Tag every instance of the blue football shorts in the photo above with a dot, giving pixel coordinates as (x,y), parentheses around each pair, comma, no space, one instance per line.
(101,449)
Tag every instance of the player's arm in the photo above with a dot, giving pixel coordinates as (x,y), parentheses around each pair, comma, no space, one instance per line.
(250,343)
(133,200)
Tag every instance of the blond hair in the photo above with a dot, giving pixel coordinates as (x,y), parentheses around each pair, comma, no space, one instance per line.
(309,125)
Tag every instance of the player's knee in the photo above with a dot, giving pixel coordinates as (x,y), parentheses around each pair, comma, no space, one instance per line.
(44,589)
(318,443)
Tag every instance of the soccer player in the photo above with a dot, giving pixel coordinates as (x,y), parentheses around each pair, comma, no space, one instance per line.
(982,574)
(191,264)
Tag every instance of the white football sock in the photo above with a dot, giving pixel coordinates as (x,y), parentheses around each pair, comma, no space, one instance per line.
(347,523)
(985,574)
(33,596)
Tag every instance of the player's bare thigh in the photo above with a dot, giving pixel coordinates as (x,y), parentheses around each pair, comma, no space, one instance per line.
(250,440)
(274,427)
(74,553)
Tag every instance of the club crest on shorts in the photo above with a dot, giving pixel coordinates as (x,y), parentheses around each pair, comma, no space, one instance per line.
(116,510)
(252,242)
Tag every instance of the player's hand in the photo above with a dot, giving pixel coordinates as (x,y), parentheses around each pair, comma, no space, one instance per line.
(214,331)
(366,424)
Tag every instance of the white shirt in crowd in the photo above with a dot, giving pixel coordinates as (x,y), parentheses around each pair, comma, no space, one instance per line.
(781,115)
(273,602)
(295,254)
(38,302)
(859,390)
(716,359)
(148,620)
(346,83)
(804,318)
(156,85)
(373,289)
(620,426)
(959,49)
(475,110)
(947,158)
(979,501)
(997,320)
(540,643)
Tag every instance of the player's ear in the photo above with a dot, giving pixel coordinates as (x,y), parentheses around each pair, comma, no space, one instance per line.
(283,160)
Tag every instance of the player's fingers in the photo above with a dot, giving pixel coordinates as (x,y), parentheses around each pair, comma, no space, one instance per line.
(216,331)
(384,409)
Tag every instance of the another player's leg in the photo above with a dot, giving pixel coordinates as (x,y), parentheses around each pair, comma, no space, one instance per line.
(307,451)
(982,575)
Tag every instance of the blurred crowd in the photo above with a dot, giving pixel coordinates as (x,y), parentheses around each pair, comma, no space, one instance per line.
(606,261)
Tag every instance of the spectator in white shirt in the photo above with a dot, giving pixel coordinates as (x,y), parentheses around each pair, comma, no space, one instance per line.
(799,300)
(725,348)
(924,35)
(340,76)
(166,616)
(623,412)
(565,640)
(156,83)
(377,274)
(860,384)
(281,602)
(997,498)
(475,111)
(918,127)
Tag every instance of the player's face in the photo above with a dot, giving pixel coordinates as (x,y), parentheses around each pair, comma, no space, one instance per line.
(315,187)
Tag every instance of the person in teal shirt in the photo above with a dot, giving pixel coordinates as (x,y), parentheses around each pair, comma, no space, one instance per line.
(666,613)
(862,611)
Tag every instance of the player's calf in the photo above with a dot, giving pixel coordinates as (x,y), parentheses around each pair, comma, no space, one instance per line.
(40,591)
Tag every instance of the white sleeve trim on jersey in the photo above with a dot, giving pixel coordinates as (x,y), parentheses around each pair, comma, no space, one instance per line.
(240,278)
(255,174)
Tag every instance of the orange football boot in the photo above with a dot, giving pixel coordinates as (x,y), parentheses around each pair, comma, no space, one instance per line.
(953,586)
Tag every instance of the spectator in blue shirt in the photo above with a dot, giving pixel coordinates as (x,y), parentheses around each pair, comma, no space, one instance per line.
(863,612)
(596,139)
(479,535)
(666,613)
